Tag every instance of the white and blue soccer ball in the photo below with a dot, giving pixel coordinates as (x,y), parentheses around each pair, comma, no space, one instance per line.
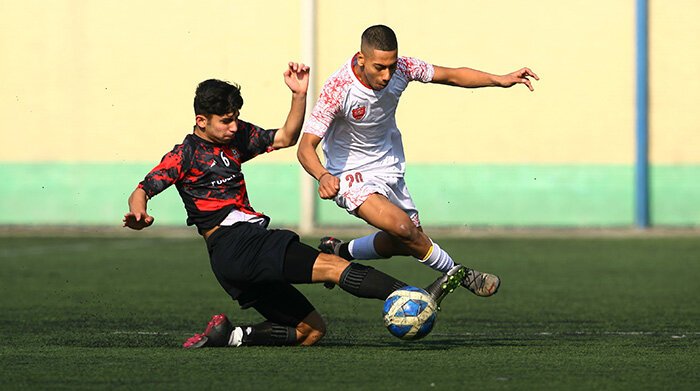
(410,313)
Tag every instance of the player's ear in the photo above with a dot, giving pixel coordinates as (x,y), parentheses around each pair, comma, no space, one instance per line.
(360,59)
(201,121)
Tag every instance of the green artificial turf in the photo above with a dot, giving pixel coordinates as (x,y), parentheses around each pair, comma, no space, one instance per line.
(579,313)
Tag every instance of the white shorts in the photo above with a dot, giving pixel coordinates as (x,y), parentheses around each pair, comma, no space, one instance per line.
(357,186)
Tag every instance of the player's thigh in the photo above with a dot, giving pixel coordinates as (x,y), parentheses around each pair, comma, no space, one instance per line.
(299,262)
(401,197)
(378,211)
(246,254)
(304,264)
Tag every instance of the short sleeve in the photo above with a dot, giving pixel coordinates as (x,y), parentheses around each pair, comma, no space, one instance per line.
(416,69)
(327,107)
(168,172)
(253,140)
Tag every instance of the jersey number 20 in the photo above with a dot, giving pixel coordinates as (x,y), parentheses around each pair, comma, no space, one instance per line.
(353,178)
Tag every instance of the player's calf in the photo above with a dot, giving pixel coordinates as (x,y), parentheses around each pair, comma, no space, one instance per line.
(365,281)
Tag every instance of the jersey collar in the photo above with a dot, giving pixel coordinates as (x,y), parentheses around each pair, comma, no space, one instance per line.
(353,62)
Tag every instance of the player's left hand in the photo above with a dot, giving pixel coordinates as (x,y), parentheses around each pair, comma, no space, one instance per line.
(297,77)
(520,76)
(137,221)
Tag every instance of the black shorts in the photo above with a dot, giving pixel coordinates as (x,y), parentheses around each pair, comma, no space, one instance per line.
(248,261)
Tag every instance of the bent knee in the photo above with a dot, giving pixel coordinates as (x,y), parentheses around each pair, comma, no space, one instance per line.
(312,337)
(405,231)
(311,330)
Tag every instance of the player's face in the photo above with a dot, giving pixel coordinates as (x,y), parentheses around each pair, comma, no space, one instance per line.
(218,129)
(378,66)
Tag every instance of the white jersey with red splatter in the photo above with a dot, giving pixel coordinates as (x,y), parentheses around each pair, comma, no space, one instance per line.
(358,124)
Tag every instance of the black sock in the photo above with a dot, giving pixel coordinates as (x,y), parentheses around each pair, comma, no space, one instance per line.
(267,334)
(344,252)
(364,281)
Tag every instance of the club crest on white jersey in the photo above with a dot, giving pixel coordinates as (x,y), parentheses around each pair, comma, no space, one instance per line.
(359,112)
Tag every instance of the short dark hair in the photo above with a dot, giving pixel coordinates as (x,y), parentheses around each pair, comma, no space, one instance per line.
(379,37)
(217,97)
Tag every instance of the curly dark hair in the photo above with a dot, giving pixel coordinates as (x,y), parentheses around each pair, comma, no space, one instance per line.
(217,97)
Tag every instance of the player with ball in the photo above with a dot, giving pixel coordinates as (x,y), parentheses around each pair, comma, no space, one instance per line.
(364,157)
(255,265)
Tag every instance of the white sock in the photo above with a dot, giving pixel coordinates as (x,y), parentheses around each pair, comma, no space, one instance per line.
(363,248)
(438,259)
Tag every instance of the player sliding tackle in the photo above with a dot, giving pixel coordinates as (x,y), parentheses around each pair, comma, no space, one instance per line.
(364,172)
(255,265)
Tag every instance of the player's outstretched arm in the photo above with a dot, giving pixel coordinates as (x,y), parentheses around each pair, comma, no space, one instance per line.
(471,78)
(137,218)
(297,79)
(328,185)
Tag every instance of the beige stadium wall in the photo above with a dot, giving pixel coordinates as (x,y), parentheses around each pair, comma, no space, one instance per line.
(582,108)
(674,83)
(113,81)
(94,93)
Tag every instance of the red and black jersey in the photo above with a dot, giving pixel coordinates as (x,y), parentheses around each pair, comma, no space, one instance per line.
(208,176)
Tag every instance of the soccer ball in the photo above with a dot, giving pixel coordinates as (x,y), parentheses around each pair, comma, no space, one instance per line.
(409,313)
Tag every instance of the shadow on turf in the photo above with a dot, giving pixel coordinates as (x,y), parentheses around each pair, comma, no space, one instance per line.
(506,335)
(119,341)
(428,344)
(437,343)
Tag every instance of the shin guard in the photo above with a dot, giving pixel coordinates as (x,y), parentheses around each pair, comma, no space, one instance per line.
(364,281)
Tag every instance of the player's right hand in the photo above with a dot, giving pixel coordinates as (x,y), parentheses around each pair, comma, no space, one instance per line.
(138,220)
(328,186)
(297,77)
